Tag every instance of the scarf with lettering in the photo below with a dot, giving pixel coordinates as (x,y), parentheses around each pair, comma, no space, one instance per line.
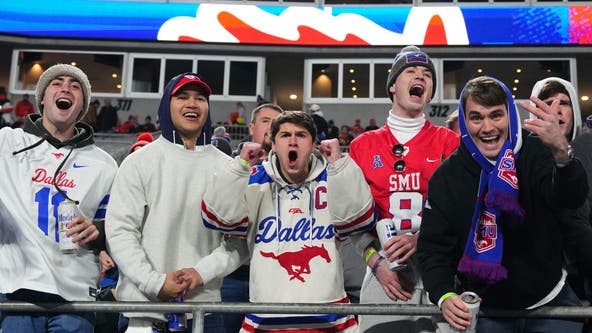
(497,201)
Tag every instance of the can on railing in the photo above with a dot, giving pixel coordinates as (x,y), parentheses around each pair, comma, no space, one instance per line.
(386,230)
(67,211)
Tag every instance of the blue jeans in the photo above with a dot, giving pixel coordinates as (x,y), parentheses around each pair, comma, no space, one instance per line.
(235,288)
(566,297)
(45,322)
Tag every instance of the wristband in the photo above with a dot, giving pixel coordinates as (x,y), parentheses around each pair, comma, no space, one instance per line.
(444,297)
(376,263)
(244,162)
(369,254)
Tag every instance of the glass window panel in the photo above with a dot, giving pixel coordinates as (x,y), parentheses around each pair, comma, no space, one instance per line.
(243,78)
(146,74)
(324,80)
(519,75)
(381,72)
(103,70)
(212,72)
(174,67)
(356,80)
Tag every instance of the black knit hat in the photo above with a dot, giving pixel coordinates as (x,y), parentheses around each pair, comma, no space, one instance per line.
(410,56)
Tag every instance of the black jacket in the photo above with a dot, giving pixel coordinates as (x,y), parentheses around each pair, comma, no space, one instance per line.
(532,250)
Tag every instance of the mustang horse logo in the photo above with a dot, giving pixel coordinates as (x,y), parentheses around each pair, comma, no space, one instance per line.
(298,263)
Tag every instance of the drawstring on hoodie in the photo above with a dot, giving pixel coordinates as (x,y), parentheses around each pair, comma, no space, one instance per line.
(81,138)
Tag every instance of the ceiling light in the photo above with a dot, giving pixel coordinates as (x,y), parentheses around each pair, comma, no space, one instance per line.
(479,70)
(518,70)
(293,96)
(585,98)
(516,81)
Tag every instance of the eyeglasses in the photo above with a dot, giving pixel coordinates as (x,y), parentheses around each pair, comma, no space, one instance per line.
(398,151)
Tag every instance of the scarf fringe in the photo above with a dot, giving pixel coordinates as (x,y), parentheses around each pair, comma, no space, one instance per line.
(505,202)
(491,272)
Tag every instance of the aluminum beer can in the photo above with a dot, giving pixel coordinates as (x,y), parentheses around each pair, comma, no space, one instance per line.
(386,230)
(473,302)
(177,321)
(66,212)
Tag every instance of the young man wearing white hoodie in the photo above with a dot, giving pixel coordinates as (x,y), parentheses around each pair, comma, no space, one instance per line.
(295,209)
(154,232)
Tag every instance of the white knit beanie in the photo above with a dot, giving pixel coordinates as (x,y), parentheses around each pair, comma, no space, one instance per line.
(63,70)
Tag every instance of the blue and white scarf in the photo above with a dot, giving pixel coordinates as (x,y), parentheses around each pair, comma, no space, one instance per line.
(497,200)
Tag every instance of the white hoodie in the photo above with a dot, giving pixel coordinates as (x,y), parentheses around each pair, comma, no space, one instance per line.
(577,116)
(302,264)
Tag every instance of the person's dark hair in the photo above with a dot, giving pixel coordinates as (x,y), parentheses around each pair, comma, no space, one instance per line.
(552,88)
(485,91)
(256,110)
(299,118)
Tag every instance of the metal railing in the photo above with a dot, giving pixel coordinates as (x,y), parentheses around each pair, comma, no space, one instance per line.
(199,309)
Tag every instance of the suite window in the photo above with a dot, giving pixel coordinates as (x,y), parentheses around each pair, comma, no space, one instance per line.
(212,72)
(324,80)
(519,75)
(356,81)
(243,78)
(146,75)
(103,69)
(174,67)
(381,72)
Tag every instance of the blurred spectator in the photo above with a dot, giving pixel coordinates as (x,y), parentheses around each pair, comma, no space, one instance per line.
(91,116)
(240,108)
(7,118)
(220,133)
(107,119)
(332,130)
(345,136)
(372,125)
(22,109)
(130,126)
(319,120)
(148,125)
(221,140)
(236,119)
(452,122)
(357,128)
(143,139)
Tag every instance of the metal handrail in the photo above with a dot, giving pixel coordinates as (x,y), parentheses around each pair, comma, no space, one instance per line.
(198,309)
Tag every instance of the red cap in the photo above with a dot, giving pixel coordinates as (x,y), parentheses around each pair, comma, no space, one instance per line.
(191,79)
(145,136)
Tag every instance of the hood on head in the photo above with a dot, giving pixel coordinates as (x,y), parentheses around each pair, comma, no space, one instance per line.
(514,132)
(575,104)
(167,128)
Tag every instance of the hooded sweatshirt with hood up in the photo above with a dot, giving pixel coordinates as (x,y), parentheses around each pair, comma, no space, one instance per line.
(154,224)
(38,172)
(575,105)
(294,232)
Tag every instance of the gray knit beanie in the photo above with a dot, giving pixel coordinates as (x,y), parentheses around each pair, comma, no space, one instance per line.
(410,56)
(63,70)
